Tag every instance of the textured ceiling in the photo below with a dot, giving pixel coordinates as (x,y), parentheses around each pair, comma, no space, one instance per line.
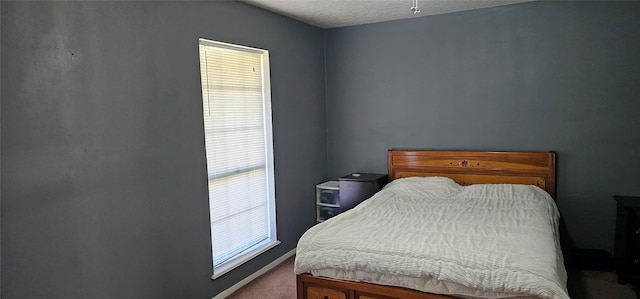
(339,13)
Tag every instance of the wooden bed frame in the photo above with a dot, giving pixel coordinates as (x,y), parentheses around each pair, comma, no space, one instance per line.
(464,167)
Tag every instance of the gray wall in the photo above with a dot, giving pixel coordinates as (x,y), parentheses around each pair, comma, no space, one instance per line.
(0,156)
(103,169)
(560,76)
(103,175)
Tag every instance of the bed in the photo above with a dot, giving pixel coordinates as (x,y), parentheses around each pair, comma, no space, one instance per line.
(417,237)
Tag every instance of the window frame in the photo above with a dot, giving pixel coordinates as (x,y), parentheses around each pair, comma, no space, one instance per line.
(271,240)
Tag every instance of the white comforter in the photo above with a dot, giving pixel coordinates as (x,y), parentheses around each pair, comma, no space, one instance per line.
(433,235)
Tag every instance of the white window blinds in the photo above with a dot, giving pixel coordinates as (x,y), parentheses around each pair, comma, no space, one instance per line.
(238,141)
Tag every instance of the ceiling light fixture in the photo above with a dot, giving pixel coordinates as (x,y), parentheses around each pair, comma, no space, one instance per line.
(415,8)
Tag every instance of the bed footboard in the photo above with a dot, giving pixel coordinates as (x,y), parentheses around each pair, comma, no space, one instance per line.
(311,287)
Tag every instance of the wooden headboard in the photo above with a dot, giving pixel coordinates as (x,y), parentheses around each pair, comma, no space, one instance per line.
(475,167)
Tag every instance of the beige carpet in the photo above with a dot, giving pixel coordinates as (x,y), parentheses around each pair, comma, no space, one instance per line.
(598,285)
(280,283)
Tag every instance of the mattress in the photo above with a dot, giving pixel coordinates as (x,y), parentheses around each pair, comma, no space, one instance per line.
(433,235)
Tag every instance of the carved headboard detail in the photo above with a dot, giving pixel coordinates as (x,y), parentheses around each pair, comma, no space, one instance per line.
(475,167)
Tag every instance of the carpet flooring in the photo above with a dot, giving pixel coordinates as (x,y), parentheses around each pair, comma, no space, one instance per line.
(280,283)
(584,284)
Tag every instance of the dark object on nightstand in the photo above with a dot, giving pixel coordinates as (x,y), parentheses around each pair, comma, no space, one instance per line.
(357,187)
(592,259)
(627,240)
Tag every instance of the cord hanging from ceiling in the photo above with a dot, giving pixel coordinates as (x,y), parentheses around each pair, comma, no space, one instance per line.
(415,8)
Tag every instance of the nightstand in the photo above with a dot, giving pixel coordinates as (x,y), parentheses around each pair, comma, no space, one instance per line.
(627,240)
(356,187)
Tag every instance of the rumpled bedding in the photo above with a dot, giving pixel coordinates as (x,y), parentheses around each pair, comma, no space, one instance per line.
(433,235)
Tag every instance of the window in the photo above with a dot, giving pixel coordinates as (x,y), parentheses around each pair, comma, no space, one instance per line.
(236,101)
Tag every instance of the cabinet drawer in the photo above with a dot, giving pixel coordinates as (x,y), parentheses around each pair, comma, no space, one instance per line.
(627,239)
(328,196)
(371,296)
(325,293)
(326,212)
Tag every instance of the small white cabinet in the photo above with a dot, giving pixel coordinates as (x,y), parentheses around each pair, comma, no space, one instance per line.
(327,200)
